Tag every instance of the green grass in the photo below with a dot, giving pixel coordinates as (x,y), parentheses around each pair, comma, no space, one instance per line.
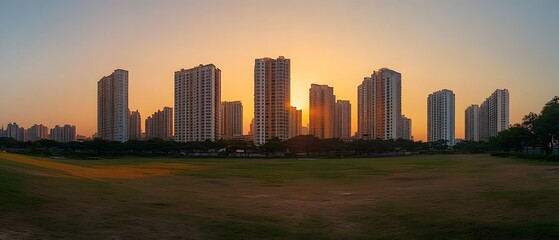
(420,197)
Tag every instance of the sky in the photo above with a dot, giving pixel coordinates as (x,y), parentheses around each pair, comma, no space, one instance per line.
(52,53)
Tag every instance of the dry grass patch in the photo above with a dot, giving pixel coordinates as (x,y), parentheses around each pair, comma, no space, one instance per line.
(101,172)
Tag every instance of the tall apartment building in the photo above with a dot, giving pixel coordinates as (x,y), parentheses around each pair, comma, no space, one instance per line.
(112,106)
(272,99)
(295,121)
(322,109)
(66,133)
(342,122)
(406,128)
(441,116)
(231,120)
(197,100)
(472,123)
(160,124)
(36,132)
(494,114)
(13,131)
(379,106)
(135,126)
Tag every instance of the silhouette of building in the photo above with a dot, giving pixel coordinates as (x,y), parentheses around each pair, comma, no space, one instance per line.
(272,99)
(472,123)
(66,133)
(295,121)
(231,120)
(379,106)
(197,100)
(160,124)
(494,115)
(440,116)
(322,109)
(406,128)
(112,106)
(135,126)
(342,123)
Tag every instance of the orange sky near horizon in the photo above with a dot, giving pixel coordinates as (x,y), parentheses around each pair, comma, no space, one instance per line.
(51,63)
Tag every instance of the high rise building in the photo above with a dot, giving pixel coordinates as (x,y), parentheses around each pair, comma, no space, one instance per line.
(197,100)
(15,131)
(67,133)
(472,123)
(440,116)
(379,106)
(112,106)
(272,99)
(406,128)
(494,115)
(160,124)
(342,122)
(295,121)
(322,109)
(36,132)
(231,120)
(135,126)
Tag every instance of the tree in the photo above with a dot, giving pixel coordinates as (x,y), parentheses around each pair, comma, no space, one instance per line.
(546,125)
(516,137)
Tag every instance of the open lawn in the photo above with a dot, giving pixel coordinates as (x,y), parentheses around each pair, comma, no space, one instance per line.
(420,197)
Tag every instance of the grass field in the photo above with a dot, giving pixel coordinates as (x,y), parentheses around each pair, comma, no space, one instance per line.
(420,197)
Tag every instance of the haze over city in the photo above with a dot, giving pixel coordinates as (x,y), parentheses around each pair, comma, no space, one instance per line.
(53,53)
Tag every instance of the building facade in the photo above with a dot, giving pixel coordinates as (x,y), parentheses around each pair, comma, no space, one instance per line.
(441,116)
(197,101)
(36,132)
(472,123)
(66,133)
(13,131)
(231,120)
(160,125)
(379,106)
(342,122)
(272,99)
(494,115)
(112,106)
(322,109)
(135,126)
(295,121)
(406,128)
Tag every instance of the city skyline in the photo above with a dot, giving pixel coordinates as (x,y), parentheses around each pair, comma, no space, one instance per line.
(473,57)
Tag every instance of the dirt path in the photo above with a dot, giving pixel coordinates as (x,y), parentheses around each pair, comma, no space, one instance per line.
(103,172)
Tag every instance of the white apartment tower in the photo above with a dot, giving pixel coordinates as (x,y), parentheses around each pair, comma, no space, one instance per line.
(322,109)
(494,115)
(272,99)
(440,116)
(197,100)
(379,106)
(472,123)
(231,120)
(112,106)
(342,122)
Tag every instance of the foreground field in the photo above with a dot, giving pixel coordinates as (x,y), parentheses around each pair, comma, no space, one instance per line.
(422,197)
